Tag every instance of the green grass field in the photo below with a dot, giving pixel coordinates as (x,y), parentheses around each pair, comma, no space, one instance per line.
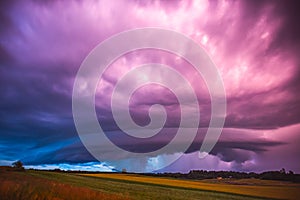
(53,185)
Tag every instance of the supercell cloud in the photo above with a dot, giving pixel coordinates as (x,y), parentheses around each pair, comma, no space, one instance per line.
(254,44)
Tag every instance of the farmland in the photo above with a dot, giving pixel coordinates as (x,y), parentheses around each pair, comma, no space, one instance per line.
(62,185)
(21,185)
(258,188)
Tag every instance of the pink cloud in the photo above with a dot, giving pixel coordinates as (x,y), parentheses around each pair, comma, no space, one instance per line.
(255,46)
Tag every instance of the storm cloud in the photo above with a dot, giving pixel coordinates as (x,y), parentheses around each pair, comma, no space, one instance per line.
(255,45)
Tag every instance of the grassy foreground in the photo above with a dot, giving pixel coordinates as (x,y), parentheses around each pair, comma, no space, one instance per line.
(21,185)
(52,185)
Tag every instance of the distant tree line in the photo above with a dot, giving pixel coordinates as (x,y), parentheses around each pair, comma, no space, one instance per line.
(203,174)
(281,175)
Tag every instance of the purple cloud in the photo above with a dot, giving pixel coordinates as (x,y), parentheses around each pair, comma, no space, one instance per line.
(255,46)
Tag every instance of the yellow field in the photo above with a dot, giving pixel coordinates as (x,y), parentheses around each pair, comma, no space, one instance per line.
(267,189)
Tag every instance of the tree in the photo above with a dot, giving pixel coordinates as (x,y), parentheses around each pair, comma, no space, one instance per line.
(282,171)
(291,172)
(18,165)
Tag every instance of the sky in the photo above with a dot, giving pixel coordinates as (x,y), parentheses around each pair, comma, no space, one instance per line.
(255,46)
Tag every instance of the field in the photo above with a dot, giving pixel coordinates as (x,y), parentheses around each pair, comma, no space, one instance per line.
(21,185)
(61,185)
(250,187)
